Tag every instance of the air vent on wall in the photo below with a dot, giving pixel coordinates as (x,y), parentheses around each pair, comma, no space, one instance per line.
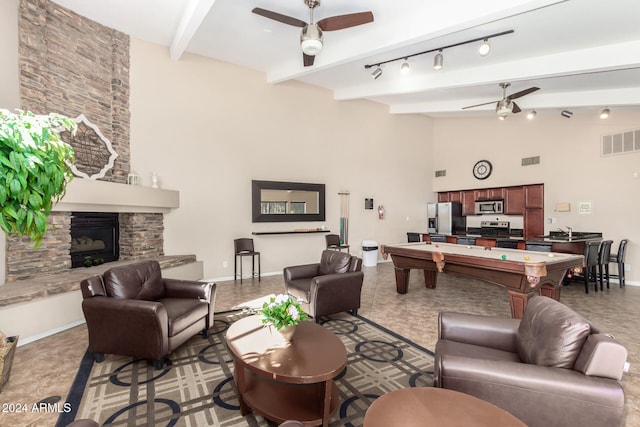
(620,143)
(440,173)
(528,161)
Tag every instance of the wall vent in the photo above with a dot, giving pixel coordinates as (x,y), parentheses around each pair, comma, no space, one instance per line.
(528,161)
(620,143)
(440,173)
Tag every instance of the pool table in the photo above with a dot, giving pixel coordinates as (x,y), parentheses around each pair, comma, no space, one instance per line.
(523,273)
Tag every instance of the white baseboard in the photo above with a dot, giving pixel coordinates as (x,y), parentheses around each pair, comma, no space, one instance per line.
(27,340)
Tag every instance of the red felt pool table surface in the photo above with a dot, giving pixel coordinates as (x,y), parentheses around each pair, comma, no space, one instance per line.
(522,273)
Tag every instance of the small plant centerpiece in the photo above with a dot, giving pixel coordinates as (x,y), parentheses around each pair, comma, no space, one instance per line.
(34,170)
(283,313)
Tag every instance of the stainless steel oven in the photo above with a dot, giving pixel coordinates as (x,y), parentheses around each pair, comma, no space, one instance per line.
(489,207)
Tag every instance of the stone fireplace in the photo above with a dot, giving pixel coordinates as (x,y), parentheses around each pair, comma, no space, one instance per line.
(95,238)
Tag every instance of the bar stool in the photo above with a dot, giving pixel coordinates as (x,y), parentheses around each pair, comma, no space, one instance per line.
(244,247)
(604,254)
(591,250)
(333,242)
(618,258)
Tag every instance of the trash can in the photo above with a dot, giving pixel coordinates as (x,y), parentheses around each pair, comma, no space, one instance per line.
(369,253)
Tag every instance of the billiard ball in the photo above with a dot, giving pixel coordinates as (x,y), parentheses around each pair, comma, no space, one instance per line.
(468,247)
(550,255)
(503,257)
(526,257)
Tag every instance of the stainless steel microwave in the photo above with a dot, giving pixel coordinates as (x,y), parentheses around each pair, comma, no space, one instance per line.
(489,207)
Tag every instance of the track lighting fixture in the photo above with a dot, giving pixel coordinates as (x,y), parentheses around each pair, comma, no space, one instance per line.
(566,113)
(376,73)
(405,68)
(484,48)
(438,60)
(532,114)
(605,114)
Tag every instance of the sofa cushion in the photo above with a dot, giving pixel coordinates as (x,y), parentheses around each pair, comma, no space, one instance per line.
(183,313)
(334,262)
(551,334)
(137,281)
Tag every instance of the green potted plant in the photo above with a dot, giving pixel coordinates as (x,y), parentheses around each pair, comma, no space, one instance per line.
(283,313)
(34,170)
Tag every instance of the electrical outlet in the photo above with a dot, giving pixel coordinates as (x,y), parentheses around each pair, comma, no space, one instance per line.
(225,264)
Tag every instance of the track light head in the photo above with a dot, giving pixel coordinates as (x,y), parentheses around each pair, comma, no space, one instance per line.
(438,61)
(405,68)
(532,114)
(605,114)
(566,113)
(484,48)
(502,116)
(376,73)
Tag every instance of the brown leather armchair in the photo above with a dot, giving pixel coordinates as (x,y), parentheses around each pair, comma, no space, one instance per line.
(132,311)
(331,286)
(551,368)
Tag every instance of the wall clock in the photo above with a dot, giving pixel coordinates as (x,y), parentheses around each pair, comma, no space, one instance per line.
(482,169)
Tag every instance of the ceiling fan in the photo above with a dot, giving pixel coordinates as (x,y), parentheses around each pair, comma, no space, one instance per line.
(506,105)
(311,38)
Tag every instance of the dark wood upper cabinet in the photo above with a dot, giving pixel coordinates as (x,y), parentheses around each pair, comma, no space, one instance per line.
(468,202)
(534,196)
(514,201)
(443,197)
(495,193)
(455,196)
(481,194)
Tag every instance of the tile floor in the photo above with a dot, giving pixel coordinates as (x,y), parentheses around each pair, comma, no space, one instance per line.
(47,367)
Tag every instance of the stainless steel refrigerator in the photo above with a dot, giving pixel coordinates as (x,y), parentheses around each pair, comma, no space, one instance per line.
(445,218)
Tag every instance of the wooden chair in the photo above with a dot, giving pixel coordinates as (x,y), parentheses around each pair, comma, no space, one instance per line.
(244,247)
(333,243)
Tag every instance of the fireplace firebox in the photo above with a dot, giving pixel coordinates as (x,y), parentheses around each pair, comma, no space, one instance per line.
(94,238)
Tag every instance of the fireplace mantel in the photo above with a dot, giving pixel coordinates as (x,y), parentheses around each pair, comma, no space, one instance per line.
(86,195)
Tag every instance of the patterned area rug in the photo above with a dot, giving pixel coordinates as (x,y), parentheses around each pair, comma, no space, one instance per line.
(197,387)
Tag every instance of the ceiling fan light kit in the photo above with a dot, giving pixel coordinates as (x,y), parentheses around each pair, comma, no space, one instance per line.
(311,38)
(532,114)
(506,105)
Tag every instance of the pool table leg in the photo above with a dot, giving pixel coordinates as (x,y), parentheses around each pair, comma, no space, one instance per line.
(402,279)
(518,302)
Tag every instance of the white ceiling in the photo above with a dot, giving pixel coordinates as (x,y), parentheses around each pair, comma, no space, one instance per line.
(584,55)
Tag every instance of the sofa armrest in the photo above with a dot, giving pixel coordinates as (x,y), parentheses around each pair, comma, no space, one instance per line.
(130,327)
(301,272)
(333,293)
(175,288)
(602,356)
(494,332)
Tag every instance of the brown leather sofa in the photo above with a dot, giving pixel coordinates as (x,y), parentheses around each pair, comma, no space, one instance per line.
(331,286)
(551,368)
(132,311)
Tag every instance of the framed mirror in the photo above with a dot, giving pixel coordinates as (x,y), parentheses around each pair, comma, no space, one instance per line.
(277,201)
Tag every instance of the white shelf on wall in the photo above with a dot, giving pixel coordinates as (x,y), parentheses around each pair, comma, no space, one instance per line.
(86,195)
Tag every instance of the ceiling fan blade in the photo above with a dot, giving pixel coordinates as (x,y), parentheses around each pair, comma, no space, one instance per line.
(279,17)
(345,21)
(515,109)
(308,59)
(523,93)
(479,105)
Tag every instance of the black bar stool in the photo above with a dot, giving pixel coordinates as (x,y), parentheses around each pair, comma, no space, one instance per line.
(333,242)
(244,247)
(591,251)
(604,254)
(618,258)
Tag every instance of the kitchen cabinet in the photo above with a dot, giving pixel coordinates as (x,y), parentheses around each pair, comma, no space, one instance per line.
(495,193)
(443,197)
(468,202)
(514,201)
(481,194)
(534,196)
(533,222)
(454,196)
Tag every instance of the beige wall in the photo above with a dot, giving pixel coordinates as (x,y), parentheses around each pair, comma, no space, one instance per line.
(570,167)
(208,128)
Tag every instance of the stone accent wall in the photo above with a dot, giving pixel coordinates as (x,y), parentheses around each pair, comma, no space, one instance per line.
(72,65)
(141,235)
(23,262)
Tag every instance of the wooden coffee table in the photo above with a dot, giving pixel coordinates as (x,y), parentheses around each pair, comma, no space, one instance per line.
(431,406)
(286,381)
